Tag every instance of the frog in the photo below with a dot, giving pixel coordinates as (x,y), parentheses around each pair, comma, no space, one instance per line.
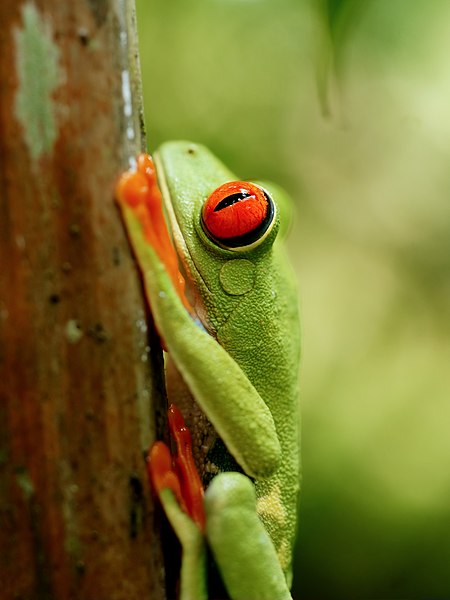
(223,296)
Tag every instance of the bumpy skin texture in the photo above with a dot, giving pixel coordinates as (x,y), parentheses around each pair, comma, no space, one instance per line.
(251,309)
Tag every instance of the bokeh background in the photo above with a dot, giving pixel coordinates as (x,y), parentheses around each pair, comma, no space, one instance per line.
(346,103)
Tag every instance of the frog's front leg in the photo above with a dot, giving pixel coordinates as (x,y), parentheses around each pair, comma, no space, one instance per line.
(241,546)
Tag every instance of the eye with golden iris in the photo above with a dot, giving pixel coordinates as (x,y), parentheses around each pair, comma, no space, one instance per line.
(238,214)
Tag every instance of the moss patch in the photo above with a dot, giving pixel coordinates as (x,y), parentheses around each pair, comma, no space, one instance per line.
(39,74)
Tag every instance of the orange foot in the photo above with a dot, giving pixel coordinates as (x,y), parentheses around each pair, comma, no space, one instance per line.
(138,189)
(178,473)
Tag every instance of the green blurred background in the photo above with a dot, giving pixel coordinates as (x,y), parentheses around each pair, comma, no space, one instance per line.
(346,103)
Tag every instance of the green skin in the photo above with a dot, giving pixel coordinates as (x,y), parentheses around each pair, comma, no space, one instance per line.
(241,368)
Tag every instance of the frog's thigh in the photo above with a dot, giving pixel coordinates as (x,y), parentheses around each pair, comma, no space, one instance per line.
(240,544)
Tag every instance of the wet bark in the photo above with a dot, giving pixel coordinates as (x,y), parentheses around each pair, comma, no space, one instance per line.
(79,369)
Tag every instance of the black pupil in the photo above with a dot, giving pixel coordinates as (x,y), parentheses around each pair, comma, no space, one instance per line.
(232,199)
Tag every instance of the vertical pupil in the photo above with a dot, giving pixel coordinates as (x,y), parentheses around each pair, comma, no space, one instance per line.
(232,199)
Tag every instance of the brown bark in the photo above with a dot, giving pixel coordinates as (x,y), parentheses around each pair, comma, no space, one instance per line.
(76,517)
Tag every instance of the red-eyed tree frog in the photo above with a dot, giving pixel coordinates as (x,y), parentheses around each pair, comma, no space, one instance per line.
(224,302)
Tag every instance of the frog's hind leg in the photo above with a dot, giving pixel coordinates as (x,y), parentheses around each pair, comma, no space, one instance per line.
(240,544)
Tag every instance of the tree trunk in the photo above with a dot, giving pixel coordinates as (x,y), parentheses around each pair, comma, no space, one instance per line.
(78,381)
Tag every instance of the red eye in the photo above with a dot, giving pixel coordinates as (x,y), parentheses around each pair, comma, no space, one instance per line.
(238,213)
